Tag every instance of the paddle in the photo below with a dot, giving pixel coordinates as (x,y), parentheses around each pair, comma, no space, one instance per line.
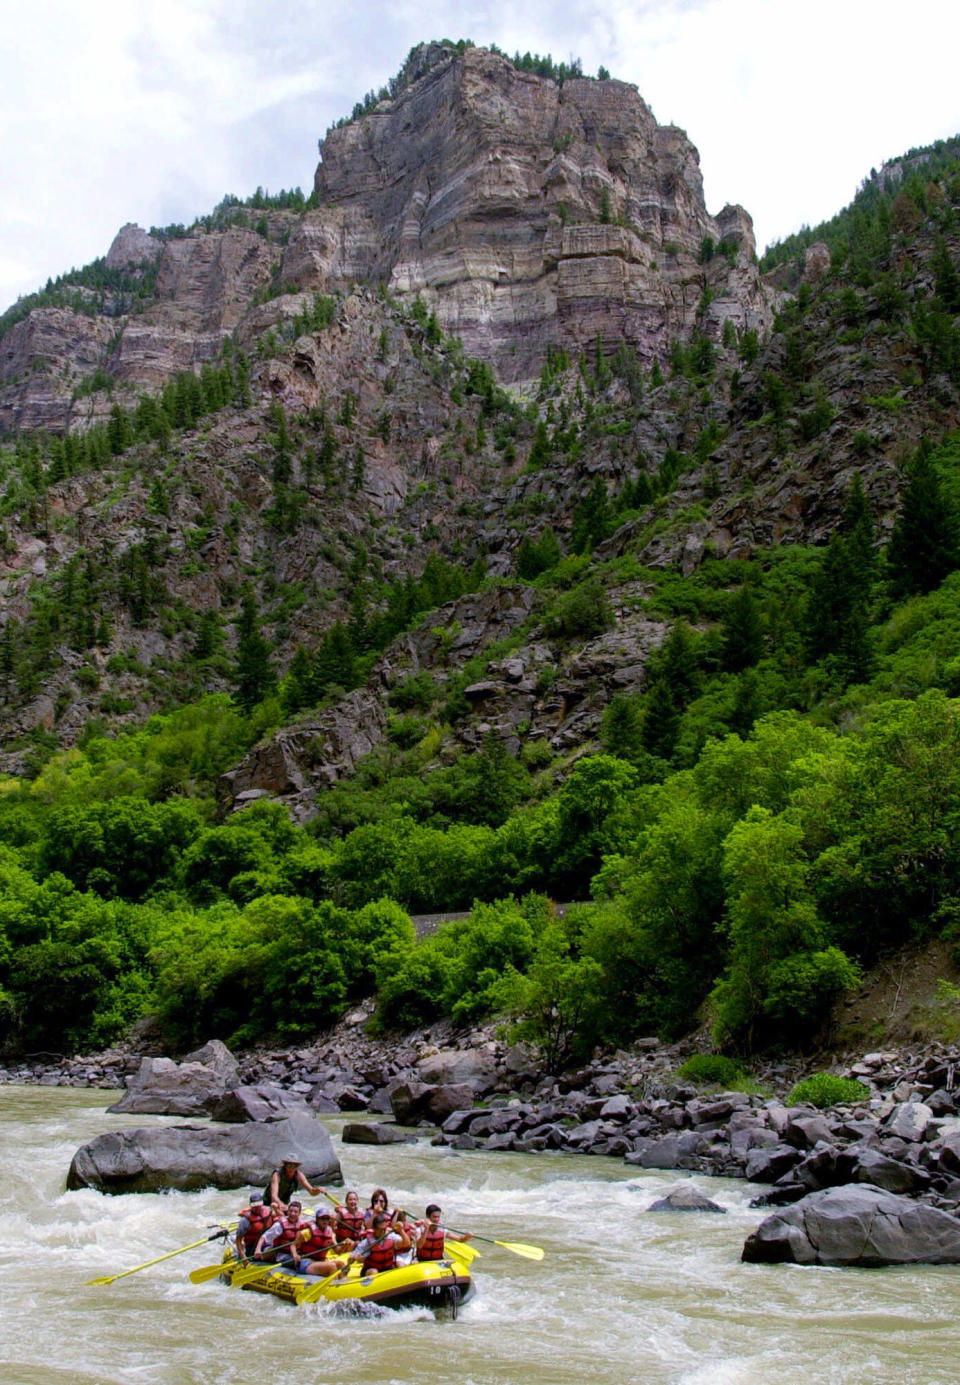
(315,1291)
(517,1247)
(109,1278)
(460,1251)
(212,1271)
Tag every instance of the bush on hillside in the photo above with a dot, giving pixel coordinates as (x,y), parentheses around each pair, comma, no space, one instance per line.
(823,1089)
(711,1069)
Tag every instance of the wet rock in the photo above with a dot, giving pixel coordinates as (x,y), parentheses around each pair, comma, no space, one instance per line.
(686,1198)
(189,1157)
(375,1133)
(856,1225)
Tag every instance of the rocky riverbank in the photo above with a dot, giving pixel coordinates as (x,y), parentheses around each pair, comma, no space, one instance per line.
(473,1091)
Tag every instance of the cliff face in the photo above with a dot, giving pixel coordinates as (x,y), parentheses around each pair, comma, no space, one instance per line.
(527,212)
(524,212)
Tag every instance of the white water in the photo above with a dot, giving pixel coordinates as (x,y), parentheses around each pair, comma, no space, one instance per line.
(621,1297)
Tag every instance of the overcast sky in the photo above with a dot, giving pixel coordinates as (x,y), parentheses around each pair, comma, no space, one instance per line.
(151,110)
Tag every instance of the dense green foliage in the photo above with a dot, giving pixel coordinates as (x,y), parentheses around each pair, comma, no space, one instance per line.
(711,1069)
(823,1089)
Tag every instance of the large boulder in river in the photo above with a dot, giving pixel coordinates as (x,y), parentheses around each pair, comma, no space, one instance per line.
(375,1133)
(162,1087)
(856,1225)
(188,1157)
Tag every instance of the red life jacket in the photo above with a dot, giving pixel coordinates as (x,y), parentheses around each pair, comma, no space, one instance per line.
(321,1238)
(382,1255)
(350,1225)
(431,1247)
(288,1234)
(260,1218)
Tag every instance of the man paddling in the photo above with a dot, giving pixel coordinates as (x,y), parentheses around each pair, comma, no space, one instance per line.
(284,1182)
(254,1221)
(378,1249)
(431,1236)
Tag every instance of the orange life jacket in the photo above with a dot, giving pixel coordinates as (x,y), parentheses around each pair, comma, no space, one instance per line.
(259,1217)
(382,1255)
(350,1224)
(431,1247)
(321,1238)
(288,1234)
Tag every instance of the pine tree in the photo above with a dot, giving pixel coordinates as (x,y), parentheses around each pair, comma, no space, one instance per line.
(254,677)
(742,632)
(622,727)
(923,546)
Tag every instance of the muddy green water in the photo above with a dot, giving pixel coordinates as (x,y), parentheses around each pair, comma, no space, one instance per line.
(621,1297)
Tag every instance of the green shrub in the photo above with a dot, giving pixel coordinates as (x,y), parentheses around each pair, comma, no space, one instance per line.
(711,1069)
(823,1089)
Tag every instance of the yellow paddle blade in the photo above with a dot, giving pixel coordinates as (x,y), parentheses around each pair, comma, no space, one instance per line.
(518,1248)
(460,1252)
(212,1271)
(316,1291)
(249,1273)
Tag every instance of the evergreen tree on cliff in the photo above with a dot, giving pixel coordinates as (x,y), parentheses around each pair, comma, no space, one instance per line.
(254,677)
(924,546)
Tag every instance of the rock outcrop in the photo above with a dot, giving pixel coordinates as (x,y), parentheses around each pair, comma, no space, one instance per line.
(861,1226)
(189,1157)
(526,212)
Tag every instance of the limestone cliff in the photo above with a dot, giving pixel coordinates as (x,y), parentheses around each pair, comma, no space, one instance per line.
(526,213)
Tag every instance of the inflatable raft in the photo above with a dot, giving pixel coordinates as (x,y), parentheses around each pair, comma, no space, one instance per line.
(424,1284)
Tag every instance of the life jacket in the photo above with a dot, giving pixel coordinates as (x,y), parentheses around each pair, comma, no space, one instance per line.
(320,1238)
(259,1218)
(431,1247)
(288,1234)
(351,1225)
(382,1255)
(286,1187)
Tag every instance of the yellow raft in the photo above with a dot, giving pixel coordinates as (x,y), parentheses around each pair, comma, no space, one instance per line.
(424,1284)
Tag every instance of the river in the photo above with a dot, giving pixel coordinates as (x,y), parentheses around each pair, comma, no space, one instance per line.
(620,1297)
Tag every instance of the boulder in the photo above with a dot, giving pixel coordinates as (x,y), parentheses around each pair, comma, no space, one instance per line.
(217,1056)
(162,1087)
(455,1066)
(856,1225)
(375,1133)
(408,1100)
(686,1198)
(892,1175)
(262,1103)
(909,1120)
(187,1157)
(447,1098)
